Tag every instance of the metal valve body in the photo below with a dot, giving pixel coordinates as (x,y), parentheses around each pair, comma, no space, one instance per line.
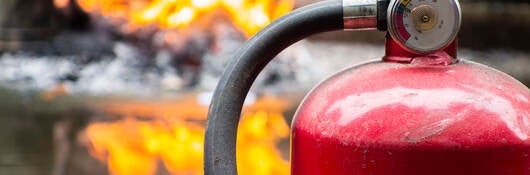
(414,119)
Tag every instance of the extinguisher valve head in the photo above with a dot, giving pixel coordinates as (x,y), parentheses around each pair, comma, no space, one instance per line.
(423,27)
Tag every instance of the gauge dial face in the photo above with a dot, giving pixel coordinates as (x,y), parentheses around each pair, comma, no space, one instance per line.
(424,26)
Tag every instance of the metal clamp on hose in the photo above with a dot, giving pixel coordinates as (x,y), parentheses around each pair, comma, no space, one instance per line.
(359,14)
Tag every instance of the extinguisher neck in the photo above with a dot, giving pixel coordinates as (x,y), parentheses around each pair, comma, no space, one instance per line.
(395,53)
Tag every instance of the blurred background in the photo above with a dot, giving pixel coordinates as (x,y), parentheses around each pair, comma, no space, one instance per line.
(123,86)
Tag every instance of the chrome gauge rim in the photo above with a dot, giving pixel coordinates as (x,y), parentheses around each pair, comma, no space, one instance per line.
(424,26)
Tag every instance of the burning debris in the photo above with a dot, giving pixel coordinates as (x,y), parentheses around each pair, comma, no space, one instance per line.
(139,45)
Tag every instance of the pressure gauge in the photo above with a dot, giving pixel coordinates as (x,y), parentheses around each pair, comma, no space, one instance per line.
(424,26)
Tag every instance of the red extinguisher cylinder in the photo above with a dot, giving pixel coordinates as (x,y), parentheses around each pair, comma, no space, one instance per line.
(414,118)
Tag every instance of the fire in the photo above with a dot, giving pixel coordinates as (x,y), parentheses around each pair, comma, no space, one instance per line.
(171,134)
(249,16)
(61,3)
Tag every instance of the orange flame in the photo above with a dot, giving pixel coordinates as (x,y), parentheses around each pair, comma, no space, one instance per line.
(248,16)
(61,3)
(172,133)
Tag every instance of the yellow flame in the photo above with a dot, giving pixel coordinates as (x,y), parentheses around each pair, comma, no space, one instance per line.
(248,15)
(180,18)
(203,4)
(173,134)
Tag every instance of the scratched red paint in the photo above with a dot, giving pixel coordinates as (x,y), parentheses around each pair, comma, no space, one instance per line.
(408,119)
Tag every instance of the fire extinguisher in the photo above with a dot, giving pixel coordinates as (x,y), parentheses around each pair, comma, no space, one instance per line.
(418,111)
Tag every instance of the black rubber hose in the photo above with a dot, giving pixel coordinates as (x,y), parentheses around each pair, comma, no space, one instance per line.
(227,103)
